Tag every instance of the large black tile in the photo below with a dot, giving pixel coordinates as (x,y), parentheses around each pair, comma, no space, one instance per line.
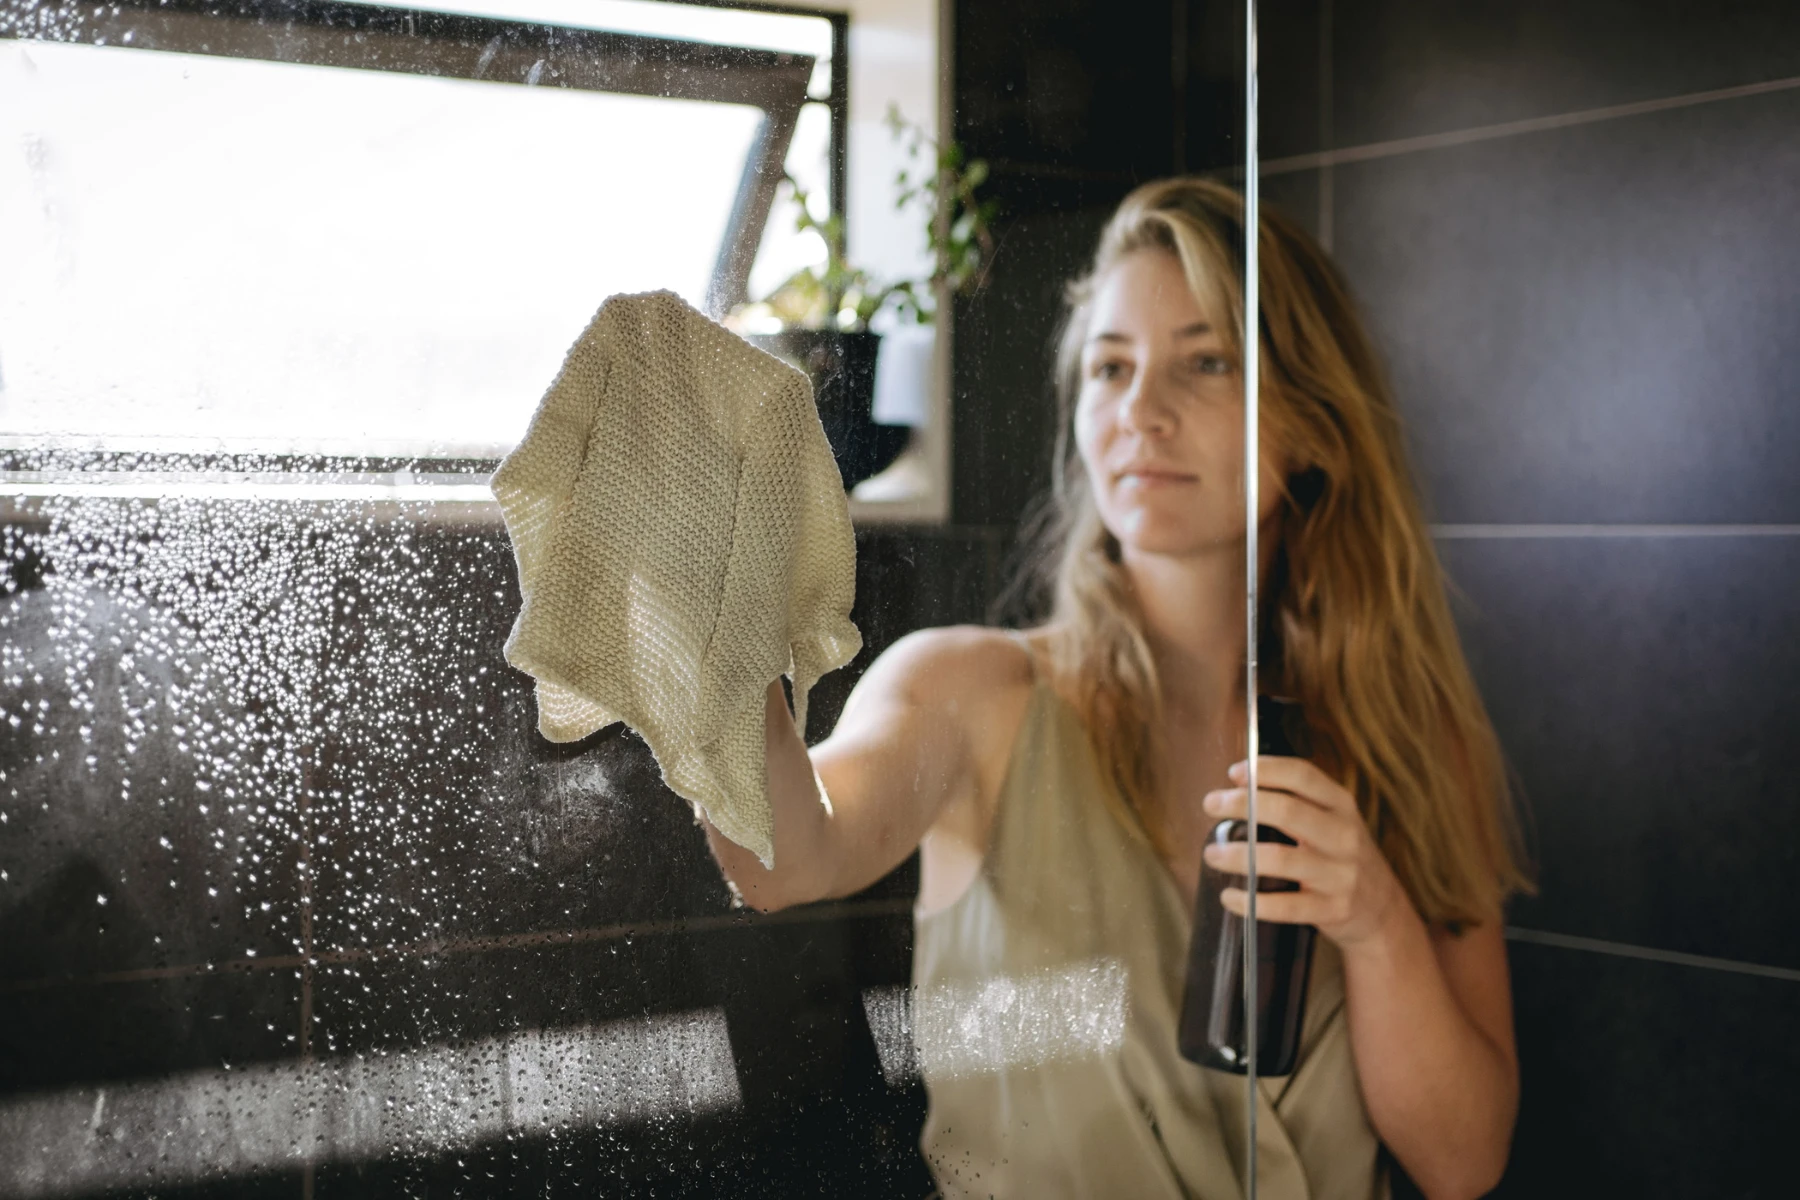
(1289,61)
(1645,1079)
(1409,67)
(1648,692)
(864,1146)
(793,995)
(1593,324)
(154,750)
(383,1006)
(1005,408)
(440,812)
(1289,79)
(148,1088)
(763,972)
(547,838)
(810,1112)
(150,1179)
(906,580)
(1067,86)
(915,579)
(542,1069)
(54,1037)
(1296,195)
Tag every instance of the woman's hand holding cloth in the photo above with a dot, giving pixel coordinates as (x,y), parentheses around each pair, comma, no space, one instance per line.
(682,540)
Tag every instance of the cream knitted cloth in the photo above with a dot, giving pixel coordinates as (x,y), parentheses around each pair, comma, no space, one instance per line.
(682,540)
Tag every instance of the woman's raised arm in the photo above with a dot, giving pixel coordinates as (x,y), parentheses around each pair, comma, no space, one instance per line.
(911,742)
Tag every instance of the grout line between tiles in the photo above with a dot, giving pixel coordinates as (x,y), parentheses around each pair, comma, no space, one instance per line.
(1477,531)
(834,911)
(1483,133)
(1566,941)
(1327,135)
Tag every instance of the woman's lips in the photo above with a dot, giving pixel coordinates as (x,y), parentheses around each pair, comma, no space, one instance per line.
(1150,478)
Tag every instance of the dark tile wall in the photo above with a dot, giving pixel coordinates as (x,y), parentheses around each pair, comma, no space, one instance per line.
(1595,323)
(1005,416)
(1646,689)
(1064,96)
(1406,68)
(1649,1079)
(1590,328)
(274,799)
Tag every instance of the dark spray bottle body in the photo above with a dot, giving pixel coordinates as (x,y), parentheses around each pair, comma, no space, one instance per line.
(1213,1019)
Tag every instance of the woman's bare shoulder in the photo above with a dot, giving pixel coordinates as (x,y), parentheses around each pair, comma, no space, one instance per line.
(976,678)
(958,666)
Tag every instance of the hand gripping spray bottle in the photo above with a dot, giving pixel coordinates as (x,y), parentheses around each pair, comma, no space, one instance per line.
(1212,1029)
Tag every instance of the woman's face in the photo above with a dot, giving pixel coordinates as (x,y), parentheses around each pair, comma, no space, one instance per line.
(1159,420)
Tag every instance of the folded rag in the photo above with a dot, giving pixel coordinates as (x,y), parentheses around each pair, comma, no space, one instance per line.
(682,540)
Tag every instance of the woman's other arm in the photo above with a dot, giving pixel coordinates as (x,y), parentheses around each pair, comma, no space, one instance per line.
(1431,1027)
(910,744)
(1430,1011)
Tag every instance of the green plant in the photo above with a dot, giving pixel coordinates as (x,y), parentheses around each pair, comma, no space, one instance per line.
(962,243)
(960,239)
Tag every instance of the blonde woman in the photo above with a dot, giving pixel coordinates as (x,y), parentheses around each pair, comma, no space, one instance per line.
(1061,784)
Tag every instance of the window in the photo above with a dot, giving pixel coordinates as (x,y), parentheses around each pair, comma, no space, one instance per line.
(350,229)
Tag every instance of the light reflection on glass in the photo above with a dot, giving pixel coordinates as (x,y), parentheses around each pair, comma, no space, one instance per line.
(224,1124)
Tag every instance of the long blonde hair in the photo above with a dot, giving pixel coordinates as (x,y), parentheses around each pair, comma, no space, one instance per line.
(1356,624)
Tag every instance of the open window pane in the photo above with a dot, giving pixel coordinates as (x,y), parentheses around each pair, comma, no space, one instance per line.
(786,249)
(789,32)
(277,253)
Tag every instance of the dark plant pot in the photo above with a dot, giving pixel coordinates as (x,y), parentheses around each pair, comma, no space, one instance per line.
(842,369)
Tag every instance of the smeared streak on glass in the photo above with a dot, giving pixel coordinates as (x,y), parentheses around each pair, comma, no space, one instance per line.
(207,1125)
(1007,1022)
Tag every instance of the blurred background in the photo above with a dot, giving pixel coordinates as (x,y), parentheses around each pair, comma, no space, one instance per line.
(294,900)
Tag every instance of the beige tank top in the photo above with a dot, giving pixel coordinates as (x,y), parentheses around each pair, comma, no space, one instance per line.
(1046,1001)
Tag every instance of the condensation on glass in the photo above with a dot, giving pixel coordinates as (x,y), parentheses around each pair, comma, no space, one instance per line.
(291,894)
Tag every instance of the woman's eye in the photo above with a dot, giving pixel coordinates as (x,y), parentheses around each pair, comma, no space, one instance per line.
(1108,370)
(1212,364)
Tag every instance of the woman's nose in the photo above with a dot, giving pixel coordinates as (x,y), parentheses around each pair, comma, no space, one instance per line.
(1146,407)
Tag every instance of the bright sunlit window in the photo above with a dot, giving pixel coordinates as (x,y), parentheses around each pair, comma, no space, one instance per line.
(286,256)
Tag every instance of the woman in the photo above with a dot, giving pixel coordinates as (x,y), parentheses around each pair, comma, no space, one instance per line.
(1061,784)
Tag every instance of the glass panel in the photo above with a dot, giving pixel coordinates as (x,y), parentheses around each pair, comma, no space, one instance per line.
(283,845)
(281,842)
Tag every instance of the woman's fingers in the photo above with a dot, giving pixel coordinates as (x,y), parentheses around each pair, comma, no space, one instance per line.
(1299,776)
(1273,861)
(1283,908)
(1299,819)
